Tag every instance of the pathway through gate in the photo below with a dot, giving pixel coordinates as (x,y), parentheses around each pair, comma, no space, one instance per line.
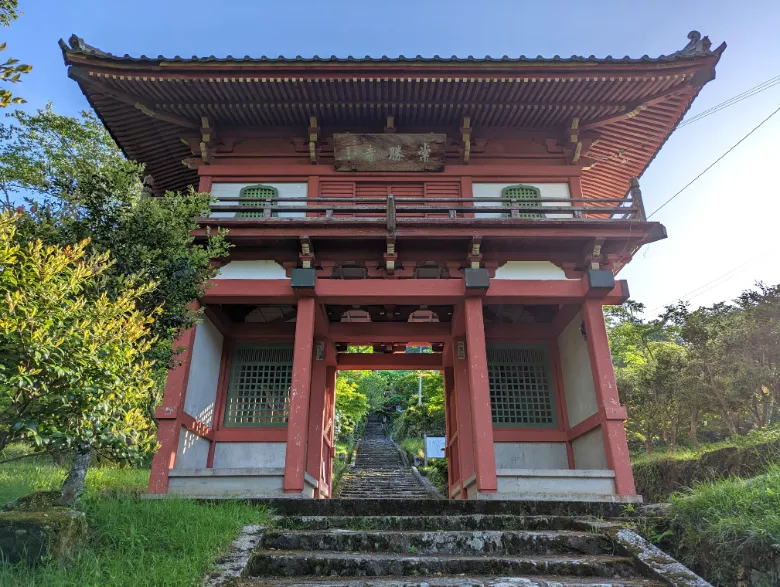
(379,472)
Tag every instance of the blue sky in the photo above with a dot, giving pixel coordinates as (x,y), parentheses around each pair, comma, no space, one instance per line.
(728,220)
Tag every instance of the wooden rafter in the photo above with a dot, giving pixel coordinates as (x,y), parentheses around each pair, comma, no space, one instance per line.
(83,77)
(633,109)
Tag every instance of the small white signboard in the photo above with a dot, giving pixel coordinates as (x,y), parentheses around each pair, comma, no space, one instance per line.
(434,447)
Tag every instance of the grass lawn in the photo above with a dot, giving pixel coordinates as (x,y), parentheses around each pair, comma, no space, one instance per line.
(132,541)
(722,525)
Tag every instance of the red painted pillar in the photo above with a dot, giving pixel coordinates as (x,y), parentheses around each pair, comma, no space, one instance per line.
(169,425)
(462,397)
(314,444)
(451,428)
(613,414)
(479,393)
(330,421)
(295,457)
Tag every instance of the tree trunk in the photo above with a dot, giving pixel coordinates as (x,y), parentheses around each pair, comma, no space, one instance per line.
(73,486)
(692,430)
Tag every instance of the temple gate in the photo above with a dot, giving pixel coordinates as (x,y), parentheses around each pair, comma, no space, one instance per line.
(482,206)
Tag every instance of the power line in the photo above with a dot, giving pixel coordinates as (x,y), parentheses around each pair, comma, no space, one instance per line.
(728,275)
(749,93)
(734,146)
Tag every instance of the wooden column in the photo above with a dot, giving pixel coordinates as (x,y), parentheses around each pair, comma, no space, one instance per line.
(317,421)
(451,428)
(463,413)
(169,413)
(612,413)
(330,422)
(479,393)
(295,457)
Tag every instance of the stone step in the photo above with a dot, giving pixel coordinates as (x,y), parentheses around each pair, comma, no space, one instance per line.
(460,581)
(311,563)
(522,542)
(429,523)
(440,507)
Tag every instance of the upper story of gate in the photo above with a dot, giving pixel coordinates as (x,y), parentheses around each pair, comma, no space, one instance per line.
(524,156)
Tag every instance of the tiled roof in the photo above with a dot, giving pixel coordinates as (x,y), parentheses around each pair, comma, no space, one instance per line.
(133,97)
(697,47)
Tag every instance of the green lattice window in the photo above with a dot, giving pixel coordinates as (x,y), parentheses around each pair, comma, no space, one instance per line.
(259,388)
(521,390)
(521,194)
(263,194)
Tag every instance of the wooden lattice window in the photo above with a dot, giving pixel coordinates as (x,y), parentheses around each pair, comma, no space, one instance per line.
(259,388)
(521,194)
(264,194)
(521,390)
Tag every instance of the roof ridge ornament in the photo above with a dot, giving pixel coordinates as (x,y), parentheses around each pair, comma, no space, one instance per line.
(77,44)
(697,45)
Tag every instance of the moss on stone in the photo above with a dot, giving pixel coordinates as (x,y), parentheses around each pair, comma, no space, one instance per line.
(33,536)
(33,502)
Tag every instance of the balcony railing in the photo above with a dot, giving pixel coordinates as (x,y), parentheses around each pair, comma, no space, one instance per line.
(391,208)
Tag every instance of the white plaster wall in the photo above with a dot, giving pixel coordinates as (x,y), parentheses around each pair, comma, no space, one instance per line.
(578,383)
(258,269)
(561,486)
(204,373)
(493,190)
(588,450)
(531,455)
(193,451)
(233,190)
(227,485)
(544,270)
(261,455)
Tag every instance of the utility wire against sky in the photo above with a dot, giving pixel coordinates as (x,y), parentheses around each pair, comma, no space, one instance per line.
(749,93)
(717,282)
(711,165)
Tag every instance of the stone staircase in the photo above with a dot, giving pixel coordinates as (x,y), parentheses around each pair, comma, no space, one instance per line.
(379,472)
(355,543)
(352,543)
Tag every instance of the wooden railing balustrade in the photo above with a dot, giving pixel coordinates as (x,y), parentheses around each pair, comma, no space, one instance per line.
(339,209)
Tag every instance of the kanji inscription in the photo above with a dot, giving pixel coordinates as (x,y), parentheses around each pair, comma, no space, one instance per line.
(389,152)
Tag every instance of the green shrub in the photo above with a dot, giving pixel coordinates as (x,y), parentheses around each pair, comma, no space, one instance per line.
(724,526)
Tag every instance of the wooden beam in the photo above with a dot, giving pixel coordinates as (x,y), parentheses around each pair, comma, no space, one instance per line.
(519,332)
(248,291)
(82,76)
(366,332)
(564,317)
(219,319)
(634,108)
(390,361)
(409,291)
(379,291)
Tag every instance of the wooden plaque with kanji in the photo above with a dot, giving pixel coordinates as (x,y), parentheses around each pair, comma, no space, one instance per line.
(389,152)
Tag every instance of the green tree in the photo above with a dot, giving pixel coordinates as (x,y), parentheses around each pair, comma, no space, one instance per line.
(11,71)
(72,370)
(351,407)
(703,331)
(78,185)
